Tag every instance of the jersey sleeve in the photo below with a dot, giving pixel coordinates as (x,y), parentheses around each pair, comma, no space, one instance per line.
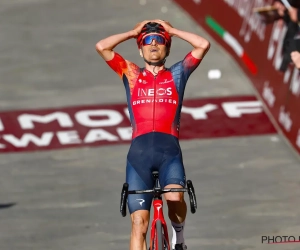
(182,70)
(126,70)
(189,64)
(118,64)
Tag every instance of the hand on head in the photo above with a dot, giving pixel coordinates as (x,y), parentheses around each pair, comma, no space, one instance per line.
(165,24)
(139,26)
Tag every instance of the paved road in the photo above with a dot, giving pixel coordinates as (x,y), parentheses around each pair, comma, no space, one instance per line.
(247,187)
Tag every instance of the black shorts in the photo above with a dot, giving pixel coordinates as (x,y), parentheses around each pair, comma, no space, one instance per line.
(152,152)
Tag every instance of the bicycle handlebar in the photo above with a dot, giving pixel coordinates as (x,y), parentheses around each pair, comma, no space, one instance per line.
(158,191)
(190,189)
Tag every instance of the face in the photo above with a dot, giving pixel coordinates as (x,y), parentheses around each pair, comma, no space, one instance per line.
(153,50)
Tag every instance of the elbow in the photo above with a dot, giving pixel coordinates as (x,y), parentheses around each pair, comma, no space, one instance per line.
(206,45)
(202,45)
(99,47)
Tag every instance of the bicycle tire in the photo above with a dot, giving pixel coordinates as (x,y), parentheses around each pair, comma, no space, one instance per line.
(159,235)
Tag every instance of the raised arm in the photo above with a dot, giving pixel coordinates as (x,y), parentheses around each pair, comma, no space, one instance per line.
(200,44)
(105,46)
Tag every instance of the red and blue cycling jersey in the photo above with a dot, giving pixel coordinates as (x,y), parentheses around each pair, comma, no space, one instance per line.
(154,101)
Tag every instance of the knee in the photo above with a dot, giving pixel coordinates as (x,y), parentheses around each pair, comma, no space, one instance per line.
(139,224)
(175,197)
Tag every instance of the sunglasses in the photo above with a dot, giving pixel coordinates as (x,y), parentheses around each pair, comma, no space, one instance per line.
(159,40)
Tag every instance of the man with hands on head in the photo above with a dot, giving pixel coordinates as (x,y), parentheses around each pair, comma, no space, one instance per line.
(154,98)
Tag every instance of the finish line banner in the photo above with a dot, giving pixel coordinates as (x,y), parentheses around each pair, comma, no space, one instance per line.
(257,48)
(99,125)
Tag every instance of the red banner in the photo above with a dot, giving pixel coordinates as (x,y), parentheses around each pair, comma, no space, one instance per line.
(99,125)
(257,48)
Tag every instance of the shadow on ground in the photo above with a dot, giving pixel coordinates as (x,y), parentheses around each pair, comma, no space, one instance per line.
(6,205)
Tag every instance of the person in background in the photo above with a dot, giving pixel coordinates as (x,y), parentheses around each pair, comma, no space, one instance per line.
(291,43)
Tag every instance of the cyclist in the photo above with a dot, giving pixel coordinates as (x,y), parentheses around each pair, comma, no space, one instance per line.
(154,98)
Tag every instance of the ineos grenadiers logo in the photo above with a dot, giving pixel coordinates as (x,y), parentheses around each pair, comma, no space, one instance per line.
(151,92)
(159,95)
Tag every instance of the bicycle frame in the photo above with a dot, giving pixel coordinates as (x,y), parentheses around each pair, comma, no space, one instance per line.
(158,215)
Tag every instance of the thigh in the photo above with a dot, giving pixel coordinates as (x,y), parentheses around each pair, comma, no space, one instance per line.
(172,171)
(139,180)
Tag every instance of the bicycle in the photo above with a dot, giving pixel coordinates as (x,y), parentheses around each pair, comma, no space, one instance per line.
(159,239)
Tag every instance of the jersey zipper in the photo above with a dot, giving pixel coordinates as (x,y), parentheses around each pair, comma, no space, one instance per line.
(154,102)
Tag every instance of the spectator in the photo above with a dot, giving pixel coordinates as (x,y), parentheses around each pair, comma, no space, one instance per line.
(292,12)
(291,42)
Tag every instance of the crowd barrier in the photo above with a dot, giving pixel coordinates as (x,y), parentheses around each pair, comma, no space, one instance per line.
(256,46)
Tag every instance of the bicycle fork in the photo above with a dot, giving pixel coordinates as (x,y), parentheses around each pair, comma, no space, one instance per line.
(158,219)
